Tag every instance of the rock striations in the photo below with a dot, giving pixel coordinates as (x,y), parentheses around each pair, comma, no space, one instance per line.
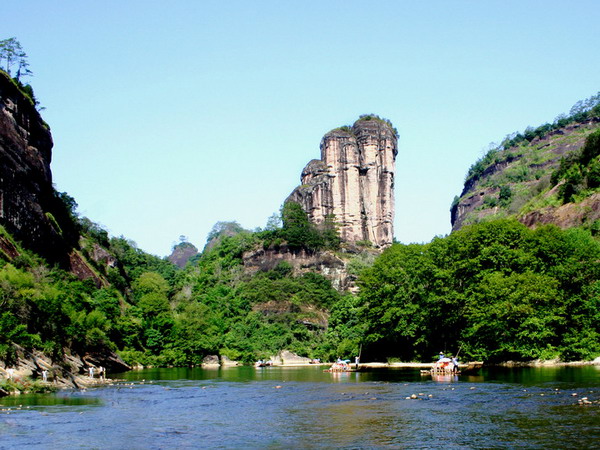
(353,182)
(26,193)
(30,208)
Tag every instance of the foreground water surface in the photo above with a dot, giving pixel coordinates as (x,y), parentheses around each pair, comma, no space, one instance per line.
(304,407)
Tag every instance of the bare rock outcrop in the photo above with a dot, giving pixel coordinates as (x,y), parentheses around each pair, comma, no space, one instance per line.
(565,216)
(325,263)
(182,253)
(353,182)
(29,209)
(286,357)
(68,372)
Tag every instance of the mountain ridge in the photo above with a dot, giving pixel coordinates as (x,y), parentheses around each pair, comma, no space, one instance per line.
(518,178)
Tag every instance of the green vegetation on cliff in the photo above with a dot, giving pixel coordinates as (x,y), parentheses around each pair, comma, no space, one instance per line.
(366,118)
(583,111)
(536,172)
(298,233)
(580,171)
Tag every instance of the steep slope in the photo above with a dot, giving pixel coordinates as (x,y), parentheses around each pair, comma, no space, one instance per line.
(353,182)
(520,177)
(29,208)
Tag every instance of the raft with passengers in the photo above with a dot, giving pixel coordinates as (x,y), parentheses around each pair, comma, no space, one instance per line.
(342,366)
(449,366)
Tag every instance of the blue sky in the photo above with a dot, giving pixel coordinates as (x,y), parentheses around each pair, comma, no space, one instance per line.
(170,116)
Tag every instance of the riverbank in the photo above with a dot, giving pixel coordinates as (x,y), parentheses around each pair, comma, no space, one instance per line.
(417,365)
(35,372)
(533,363)
(26,385)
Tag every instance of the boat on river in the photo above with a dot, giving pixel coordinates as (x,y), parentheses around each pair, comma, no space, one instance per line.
(443,367)
(340,366)
(261,363)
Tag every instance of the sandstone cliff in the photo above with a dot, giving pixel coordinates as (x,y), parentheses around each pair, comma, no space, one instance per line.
(30,208)
(353,182)
(325,263)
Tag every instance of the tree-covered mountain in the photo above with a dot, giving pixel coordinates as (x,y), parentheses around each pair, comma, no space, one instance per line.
(550,174)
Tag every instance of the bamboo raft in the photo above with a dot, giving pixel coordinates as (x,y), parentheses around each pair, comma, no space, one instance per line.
(448,369)
(341,367)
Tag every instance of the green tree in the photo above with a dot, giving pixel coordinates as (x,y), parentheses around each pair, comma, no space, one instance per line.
(505,195)
(330,233)
(297,229)
(224,229)
(12,54)
(150,283)
(498,289)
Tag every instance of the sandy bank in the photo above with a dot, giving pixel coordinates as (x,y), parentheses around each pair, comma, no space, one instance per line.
(535,363)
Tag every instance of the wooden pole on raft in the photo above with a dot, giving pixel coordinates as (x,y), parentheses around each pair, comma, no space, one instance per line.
(459,348)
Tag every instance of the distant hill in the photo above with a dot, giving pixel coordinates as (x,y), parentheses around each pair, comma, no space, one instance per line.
(543,175)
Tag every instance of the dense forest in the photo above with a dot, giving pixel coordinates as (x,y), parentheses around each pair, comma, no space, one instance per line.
(497,290)
(154,313)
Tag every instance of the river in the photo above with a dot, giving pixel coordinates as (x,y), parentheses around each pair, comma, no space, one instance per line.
(283,407)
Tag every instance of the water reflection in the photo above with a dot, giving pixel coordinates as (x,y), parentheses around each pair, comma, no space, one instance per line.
(67,399)
(305,407)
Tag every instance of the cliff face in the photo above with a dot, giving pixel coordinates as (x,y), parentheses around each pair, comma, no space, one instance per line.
(29,207)
(324,263)
(517,182)
(353,182)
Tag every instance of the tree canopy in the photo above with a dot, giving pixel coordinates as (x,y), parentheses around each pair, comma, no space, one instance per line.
(12,55)
(497,290)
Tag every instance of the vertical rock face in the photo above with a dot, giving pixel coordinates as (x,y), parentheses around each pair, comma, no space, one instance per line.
(29,208)
(353,182)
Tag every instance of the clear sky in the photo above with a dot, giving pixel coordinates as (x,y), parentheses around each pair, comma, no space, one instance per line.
(170,116)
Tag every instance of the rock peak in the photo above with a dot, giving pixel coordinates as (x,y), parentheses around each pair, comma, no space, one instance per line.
(353,181)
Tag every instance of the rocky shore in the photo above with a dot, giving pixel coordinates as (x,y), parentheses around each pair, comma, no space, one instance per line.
(26,372)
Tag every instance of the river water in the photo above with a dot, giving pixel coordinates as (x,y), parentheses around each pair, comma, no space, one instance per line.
(283,407)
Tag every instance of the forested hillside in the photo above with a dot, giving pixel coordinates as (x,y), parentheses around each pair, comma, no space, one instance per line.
(548,174)
(153,313)
(497,290)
